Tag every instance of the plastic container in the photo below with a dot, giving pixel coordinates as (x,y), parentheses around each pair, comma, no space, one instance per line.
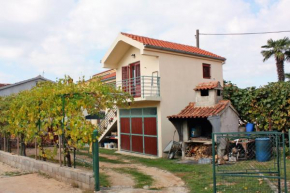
(195,132)
(204,161)
(250,127)
(263,149)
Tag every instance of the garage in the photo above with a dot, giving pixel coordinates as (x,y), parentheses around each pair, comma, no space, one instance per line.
(138,130)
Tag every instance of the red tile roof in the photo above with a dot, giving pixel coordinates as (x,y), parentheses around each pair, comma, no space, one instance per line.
(201,112)
(173,46)
(109,76)
(3,84)
(207,85)
(103,72)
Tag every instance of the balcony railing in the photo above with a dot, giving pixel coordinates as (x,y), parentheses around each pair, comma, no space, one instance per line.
(142,86)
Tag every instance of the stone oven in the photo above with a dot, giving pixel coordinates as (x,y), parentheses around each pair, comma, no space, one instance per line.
(196,122)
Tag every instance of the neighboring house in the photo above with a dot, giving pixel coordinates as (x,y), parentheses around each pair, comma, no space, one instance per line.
(209,113)
(161,76)
(107,77)
(3,84)
(20,86)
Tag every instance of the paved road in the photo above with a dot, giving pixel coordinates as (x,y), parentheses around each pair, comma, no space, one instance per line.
(14,180)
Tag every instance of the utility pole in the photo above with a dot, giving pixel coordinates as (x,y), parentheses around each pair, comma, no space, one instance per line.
(197,38)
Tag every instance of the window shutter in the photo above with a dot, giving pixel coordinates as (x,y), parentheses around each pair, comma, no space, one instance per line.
(137,70)
(206,70)
(125,77)
(125,73)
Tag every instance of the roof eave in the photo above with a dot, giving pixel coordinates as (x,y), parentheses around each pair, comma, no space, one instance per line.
(25,81)
(183,52)
(111,78)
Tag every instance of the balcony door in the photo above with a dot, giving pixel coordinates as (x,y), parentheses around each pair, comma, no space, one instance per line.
(131,79)
(135,79)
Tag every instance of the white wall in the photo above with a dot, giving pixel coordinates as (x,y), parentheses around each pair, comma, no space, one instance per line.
(179,75)
(229,121)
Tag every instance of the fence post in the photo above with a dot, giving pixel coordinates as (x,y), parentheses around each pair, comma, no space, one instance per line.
(213,162)
(4,142)
(288,142)
(96,160)
(62,128)
(284,160)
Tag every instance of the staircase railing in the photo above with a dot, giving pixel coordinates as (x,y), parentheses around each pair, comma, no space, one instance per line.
(109,118)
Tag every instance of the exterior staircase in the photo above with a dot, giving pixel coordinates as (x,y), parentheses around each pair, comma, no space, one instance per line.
(108,123)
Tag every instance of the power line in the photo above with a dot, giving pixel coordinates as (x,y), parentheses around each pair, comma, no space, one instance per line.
(251,33)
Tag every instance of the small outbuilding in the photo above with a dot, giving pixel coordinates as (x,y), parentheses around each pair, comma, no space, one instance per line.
(209,113)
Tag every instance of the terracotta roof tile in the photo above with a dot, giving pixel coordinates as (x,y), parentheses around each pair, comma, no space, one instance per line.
(109,76)
(207,85)
(3,84)
(201,112)
(100,73)
(172,46)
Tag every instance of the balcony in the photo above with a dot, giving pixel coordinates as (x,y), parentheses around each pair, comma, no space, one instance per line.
(142,87)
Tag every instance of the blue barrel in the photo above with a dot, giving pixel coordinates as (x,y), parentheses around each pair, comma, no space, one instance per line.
(263,149)
(250,127)
(193,132)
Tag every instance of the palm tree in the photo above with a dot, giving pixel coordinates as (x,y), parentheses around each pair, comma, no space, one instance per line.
(280,50)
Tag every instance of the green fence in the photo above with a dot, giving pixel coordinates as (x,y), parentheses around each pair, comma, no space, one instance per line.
(249,162)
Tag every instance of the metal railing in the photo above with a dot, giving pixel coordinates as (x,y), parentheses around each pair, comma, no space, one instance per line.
(142,86)
(109,118)
(249,162)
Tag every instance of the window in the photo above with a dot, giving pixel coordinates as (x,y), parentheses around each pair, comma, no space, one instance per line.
(206,70)
(204,93)
(219,92)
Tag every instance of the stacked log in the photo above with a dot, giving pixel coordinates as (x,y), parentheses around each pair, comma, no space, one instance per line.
(198,151)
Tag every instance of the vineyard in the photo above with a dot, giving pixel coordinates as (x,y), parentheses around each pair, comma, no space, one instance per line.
(53,113)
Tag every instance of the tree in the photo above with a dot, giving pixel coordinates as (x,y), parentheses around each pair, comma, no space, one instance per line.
(280,50)
(240,99)
(268,106)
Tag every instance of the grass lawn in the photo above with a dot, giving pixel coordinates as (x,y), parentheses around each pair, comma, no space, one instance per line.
(198,178)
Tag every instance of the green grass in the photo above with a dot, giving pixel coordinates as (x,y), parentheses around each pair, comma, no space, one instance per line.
(104,180)
(13,174)
(140,178)
(101,158)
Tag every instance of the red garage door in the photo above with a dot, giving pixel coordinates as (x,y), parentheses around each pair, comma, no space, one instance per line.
(139,130)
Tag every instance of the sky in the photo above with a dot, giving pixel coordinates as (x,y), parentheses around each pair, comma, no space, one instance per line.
(54,38)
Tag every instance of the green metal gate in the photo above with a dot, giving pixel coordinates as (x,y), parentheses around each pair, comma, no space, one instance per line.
(249,162)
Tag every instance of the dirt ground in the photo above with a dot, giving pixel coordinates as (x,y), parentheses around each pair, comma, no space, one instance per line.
(164,181)
(14,180)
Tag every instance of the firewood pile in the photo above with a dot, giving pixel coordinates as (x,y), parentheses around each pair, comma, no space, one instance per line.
(198,151)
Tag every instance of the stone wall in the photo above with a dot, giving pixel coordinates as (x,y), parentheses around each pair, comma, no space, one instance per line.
(84,180)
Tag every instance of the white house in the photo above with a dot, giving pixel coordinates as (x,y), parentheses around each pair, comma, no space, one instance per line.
(161,76)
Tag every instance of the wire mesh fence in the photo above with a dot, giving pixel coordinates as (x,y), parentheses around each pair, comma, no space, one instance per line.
(249,162)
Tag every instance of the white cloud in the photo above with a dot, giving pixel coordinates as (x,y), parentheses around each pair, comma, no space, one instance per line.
(69,37)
